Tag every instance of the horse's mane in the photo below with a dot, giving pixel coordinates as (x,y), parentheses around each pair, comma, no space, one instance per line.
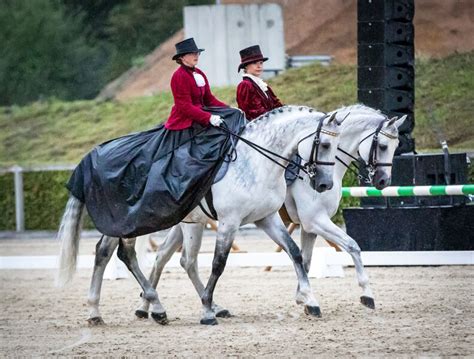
(280,113)
(363,115)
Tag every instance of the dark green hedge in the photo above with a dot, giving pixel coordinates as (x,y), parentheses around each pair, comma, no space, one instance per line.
(45,200)
(46,197)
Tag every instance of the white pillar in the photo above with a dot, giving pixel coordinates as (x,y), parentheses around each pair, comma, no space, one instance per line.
(19,199)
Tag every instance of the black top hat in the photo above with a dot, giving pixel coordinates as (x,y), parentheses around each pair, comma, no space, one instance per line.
(185,47)
(249,55)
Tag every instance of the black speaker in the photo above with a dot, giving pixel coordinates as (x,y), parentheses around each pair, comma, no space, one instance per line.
(390,32)
(412,229)
(387,99)
(385,55)
(394,77)
(372,10)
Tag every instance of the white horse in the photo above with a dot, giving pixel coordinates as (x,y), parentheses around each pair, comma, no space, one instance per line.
(364,131)
(252,190)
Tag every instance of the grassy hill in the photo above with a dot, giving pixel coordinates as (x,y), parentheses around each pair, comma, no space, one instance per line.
(62,132)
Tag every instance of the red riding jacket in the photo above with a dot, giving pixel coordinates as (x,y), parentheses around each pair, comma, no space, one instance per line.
(253,101)
(189,100)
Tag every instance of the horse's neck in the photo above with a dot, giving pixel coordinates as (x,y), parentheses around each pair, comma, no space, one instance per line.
(281,132)
(350,136)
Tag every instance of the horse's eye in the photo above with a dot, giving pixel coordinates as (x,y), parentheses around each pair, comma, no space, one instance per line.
(325,145)
(383,147)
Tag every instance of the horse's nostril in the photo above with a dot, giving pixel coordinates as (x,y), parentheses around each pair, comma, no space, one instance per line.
(382,182)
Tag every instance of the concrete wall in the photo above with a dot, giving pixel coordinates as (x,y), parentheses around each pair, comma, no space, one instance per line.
(223,30)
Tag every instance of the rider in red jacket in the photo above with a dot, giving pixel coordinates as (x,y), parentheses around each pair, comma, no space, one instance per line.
(254,96)
(191,90)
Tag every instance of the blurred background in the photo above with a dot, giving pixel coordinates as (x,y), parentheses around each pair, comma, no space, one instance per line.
(74,73)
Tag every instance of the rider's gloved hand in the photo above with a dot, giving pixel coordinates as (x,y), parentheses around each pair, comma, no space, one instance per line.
(216,120)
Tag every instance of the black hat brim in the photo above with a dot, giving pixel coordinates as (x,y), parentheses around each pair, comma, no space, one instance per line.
(175,57)
(243,64)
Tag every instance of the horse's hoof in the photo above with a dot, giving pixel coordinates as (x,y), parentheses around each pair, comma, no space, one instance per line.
(141,314)
(210,321)
(95,321)
(313,311)
(160,318)
(224,313)
(368,302)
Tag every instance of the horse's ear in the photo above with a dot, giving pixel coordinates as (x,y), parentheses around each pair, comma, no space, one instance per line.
(392,121)
(332,118)
(400,121)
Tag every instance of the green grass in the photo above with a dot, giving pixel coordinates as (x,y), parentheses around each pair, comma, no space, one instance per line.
(62,132)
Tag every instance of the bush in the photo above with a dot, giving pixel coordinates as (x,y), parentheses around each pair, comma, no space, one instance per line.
(45,197)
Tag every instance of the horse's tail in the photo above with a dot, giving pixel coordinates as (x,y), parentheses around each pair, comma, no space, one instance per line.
(69,235)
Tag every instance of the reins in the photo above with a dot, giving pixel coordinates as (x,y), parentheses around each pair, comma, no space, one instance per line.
(263,151)
(310,167)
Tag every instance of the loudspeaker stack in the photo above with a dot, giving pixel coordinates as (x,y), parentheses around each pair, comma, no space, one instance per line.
(385,55)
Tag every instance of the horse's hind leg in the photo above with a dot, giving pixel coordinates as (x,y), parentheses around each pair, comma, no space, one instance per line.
(307,245)
(173,241)
(275,229)
(192,239)
(103,251)
(225,237)
(326,228)
(126,253)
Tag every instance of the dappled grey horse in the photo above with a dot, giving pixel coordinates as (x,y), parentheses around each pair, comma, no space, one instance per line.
(365,132)
(251,191)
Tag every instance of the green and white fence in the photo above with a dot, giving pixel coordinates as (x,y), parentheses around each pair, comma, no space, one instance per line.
(409,191)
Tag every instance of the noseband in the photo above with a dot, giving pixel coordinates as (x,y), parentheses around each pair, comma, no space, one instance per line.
(373,163)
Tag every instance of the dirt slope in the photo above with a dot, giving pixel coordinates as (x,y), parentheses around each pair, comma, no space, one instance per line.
(319,27)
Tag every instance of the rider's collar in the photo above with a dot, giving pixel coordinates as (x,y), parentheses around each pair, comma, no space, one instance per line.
(188,68)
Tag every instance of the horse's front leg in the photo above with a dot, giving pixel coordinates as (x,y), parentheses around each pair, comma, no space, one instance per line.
(192,239)
(275,229)
(173,240)
(126,253)
(225,237)
(103,252)
(322,225)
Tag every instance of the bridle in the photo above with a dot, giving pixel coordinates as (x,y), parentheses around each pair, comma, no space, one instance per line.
(373,163)
(310,167)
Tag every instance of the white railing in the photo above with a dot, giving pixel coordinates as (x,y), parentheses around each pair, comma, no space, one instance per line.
(299,61)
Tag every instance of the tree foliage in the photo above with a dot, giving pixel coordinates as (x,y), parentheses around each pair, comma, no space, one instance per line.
(44,53)
(69,49)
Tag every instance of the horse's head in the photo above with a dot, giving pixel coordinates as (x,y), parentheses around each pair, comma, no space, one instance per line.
(377,147)
(318,150)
